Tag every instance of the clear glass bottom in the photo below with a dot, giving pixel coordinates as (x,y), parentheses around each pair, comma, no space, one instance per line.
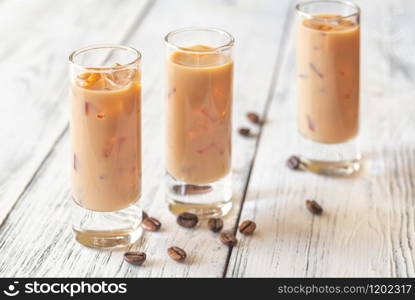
(205,200)
(342,159)
(107,230)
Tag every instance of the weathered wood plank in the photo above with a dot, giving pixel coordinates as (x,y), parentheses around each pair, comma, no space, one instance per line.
(257,28)
(368,228)
(37,38)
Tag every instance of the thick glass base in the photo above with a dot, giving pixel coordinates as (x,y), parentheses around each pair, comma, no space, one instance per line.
(205,200)
(342,159)
(107,230)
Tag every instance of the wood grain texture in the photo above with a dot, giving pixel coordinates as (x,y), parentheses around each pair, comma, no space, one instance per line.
(33,61)
(41,216)
(368,227)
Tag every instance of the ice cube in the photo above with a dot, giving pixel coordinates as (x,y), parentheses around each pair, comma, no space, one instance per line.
(123,77)
(110,83)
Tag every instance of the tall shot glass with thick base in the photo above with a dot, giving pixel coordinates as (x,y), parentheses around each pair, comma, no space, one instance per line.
(328,67)
(105,127)
(199,66)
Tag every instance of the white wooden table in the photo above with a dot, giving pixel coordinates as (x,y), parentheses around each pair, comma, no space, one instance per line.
(368,228)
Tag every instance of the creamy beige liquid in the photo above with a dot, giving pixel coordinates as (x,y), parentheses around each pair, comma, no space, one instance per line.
(106,140)
(328,79)
(199,115)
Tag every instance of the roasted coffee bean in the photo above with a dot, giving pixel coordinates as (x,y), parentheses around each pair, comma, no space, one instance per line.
(253,117)
(190,189)
(215,224)
(176,253)
(247,227)
(135,258)
(145,215)
(314,207)
(151,224)
(187,220)
(245,132)
(293,162)
(228,238)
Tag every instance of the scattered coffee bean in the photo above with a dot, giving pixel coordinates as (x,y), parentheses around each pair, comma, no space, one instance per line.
(190,189)
(228,238)
(314,207)
(176,253)
(247,227)
(253,117)
(187,220)
(145,215)
(151,224)
(135,258)
(245,132)
(294,162)
(215,224)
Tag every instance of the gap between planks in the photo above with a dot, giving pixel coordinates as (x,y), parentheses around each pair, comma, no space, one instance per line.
(283,46)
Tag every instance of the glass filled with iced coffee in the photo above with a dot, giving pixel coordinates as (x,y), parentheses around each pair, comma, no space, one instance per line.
(105,133)
(328,68)
(198,112)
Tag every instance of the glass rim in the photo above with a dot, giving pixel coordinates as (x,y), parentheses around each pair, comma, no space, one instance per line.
(226,46)
(79,51)
(299,8)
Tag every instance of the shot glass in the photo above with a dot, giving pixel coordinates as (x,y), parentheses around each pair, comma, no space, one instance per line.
(105,132)
(328,67)
(198,110)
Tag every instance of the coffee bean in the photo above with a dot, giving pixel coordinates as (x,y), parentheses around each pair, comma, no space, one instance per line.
(245,132)
(145,215)
(247,227)
(151,224)
(190,189)
(135,258)
(253,117)
(293,162)
(177,253)
(187,220)
(314,207)
(215,224)
(228,238)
